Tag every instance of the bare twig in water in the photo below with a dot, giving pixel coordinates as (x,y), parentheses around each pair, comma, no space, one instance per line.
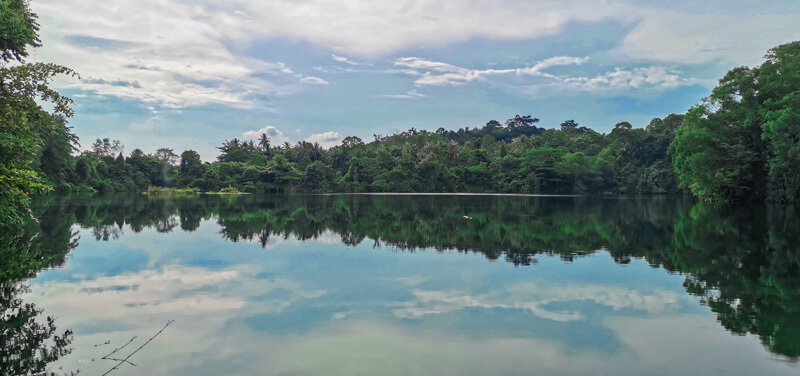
(121,360)
(118,348)
(125,360)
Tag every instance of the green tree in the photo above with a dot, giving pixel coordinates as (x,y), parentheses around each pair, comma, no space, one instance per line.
(22,120)
(779,79)
(18,30)
(741,141)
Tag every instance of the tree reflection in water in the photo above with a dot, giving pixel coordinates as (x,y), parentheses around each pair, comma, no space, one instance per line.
(741,261)
(30,340)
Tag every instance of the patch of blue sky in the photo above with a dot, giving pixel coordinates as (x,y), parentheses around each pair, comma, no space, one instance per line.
(94,259)
(100,43)
(673,101)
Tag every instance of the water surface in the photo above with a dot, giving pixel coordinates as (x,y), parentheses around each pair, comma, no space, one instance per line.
(420,285)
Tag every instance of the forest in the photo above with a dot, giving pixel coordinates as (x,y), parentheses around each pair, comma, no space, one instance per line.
(514,157)
(741,143)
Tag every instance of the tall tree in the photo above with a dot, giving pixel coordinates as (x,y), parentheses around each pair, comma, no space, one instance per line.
(166,156)
(22,120)
(741,142)
(780,79)
(263,143)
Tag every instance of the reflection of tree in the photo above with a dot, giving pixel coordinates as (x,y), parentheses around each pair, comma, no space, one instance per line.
(28,342)
(742,262)
(745,264)
(107,232)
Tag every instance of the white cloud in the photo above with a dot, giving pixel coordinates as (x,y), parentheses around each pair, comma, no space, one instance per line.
(274,134)
(535,299)
(243,14)
(613,81)
(277,68)
(411,94)
(535,79)
(313,80)
(145,292)
(177,54)
(619,78)
(375,28)
(326,140)
(436,73)
(370,28)
(193,54)
(343,59)
(696,38)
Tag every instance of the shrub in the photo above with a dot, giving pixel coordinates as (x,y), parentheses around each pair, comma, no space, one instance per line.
(229,189)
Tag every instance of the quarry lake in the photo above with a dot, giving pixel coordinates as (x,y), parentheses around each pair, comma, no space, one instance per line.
(415,285)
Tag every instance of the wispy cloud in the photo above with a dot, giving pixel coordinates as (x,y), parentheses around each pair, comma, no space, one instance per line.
(175,53)
(343,59)
(676,31)
(411,94)
(654,77)
(436,73)
(535,298)
(621,78)
(174,49)
(313,80)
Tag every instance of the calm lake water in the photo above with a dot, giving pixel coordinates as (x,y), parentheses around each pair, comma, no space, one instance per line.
(421,285)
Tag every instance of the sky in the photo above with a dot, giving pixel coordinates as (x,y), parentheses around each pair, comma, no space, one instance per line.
(191,74)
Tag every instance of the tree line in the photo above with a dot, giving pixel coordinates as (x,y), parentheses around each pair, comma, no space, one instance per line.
(515,157)
(740,143)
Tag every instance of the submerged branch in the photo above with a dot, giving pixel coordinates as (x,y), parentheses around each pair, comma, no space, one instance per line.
(125,360)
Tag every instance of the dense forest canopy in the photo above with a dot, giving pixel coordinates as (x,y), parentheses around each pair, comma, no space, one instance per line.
(515,157)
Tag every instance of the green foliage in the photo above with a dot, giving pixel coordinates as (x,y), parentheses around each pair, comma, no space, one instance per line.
(23,125)
(18,30)
(229,189)
(171,191)
(742,142)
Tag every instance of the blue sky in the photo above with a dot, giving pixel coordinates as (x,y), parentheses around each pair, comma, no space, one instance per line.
(190,74)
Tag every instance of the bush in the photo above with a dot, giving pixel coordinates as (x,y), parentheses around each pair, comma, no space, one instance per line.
(152,190)
(229,189)
(83,188)
(65,187)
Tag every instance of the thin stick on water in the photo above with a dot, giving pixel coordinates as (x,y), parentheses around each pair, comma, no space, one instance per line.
(118,348)
(120,360)
(123,361)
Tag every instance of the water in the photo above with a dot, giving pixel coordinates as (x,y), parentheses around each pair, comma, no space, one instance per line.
(419,285)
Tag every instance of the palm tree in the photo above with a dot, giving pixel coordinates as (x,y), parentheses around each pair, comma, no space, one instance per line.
(263,142)
(304,149)
(316,152)
(338,157)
